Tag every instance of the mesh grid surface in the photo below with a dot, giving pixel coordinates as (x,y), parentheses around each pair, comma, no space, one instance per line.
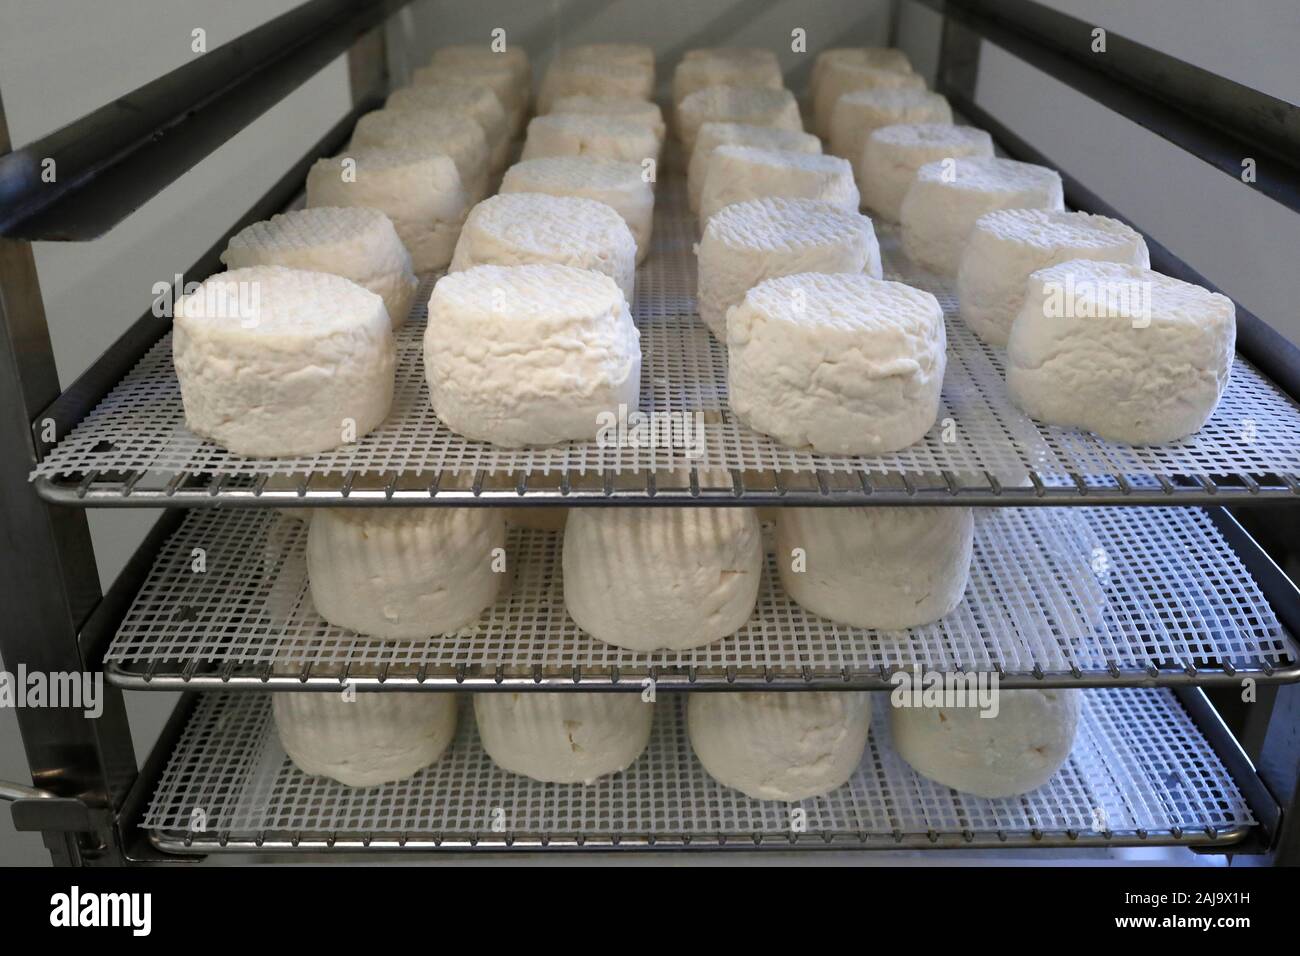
(1100,591)
(1138,765)
(139,428)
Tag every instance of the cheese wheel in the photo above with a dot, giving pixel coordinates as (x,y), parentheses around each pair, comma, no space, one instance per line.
(365,740)
(644,112)
(738,173)
(585,76)
(751,105)
(474,54)
(857,115)
(621,186)
(893,154)
(355,243)
(276,362)
(748,242)
(947,197)
(780,746)
(883,568)
(1013,752)
(518,228)
(404,573)
(711,135)
(478,103)
(419,191)
(531,354)
(1126,353)
(882,58)
(603,137)
(840,78)
(440,131)
(499,77)
(842,364)
(1008,245)
(661,578)
(701,69)
(563,737)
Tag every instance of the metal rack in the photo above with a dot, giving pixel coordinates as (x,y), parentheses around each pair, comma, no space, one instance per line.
(1198,602)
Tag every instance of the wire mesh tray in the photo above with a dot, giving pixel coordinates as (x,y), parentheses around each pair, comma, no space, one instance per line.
(134,447)
(1073,596)
(1140,773)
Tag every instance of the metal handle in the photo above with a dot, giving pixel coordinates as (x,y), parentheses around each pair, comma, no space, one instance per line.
(21,791)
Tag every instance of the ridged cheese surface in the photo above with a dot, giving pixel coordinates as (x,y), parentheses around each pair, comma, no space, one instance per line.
(748,242)
(947,196)
(602,137)
(439,130)
(652,578)
(775,746)
(1121,351)
(352,242)
(751,105)
(892,155)
(857,115)
(738,173)
(518,228)
(529,355)
(843,364)
(712,135)
(275,362)
(1007,245)
(478,103)
(404,573)
(563,737)
(839,78)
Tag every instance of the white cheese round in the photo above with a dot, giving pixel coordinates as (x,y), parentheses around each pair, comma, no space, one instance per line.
(844,364)
(419,191)
(661,578)
(1006,755)
(621,186)
(404,573)
(892,155)
(478,103)
(587,76)
(516,57)
(838,78)
(750,105)
(276,362)
(370,739)
(1007,245)
(857,115)
(737,173)
(882,58)
(439,131)
(514,229)
(947,196)
(603,137)
(353,242)
(531,354)
(1126,353)
(500,77)
(712,135)
(644,112)
(563,737)
(747,242)
(779,746)
(701,69)
(883,568)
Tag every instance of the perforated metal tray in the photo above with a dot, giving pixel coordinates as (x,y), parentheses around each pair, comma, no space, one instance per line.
(1140,773)
(134,448)
(1098,596)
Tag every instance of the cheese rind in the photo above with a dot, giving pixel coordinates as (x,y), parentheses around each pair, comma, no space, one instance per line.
(748,242)
(1121,351)
(779,746)
(947,197)
(404,573)
(711,135)
(439,131)
(499,77)
(1007,245)
(738,173)
(750,105)
(419,191)
(701,69)
(563,737)
(857,115)
(276,362)
(352,242)
(1014,752)
(661,578)
(594,76)
(882,568)
(621,186)
(892,155)
(625,108)
(602,137)
(518,228)
(883,58)
(529,354)
(371,739)
(478,103)
(843,364)
(839,78)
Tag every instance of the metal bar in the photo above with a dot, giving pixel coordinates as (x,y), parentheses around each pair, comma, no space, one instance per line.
(113,160)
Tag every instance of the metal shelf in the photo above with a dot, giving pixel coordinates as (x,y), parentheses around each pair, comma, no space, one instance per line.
(133,449)
(1071,597)
(1141,773)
